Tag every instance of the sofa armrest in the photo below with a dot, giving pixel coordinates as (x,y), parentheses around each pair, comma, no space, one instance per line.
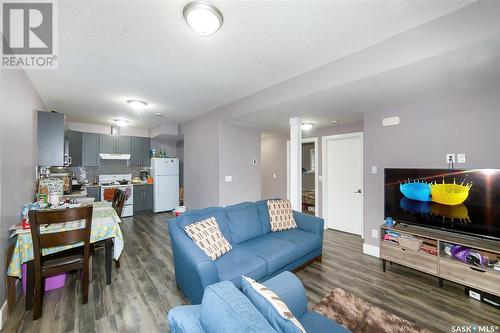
(309,223)
(194,270)
(185,319)
(290,289)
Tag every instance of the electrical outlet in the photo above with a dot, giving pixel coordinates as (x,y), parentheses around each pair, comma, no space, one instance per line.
(460,158)
(374,233)
(254,161)
(275,175)
(450,158)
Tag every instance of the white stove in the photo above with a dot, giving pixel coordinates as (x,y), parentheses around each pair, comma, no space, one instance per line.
(122,182)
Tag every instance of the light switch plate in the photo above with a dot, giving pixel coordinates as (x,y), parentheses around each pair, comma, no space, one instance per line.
(275,175)
(460,158)
(254,161)
(228,179)
(374,170)
(450,157)
(374,233)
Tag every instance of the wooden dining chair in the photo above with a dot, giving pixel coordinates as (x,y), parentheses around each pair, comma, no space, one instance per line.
(119,201)
(64,261)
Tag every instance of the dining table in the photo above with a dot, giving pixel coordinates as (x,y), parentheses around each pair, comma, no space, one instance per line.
(105,229)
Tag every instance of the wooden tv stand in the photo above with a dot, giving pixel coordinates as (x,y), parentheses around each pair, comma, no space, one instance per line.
(442,265)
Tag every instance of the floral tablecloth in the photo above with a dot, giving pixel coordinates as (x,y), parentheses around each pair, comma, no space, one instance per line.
(105,224)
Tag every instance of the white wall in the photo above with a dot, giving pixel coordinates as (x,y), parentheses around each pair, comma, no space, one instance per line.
(19,103)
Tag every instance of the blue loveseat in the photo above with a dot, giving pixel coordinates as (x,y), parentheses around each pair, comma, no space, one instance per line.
(225,309)
(257,252)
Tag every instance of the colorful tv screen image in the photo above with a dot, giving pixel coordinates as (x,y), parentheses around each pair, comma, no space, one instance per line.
(465,201)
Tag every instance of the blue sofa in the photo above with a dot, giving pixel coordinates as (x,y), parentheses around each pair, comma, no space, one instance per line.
(257,252)
(225,309)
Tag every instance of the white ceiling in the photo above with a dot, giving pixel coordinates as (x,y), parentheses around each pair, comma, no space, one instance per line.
(472,68)
(111,51)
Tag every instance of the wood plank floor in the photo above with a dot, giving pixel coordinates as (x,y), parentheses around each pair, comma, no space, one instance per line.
(143,289)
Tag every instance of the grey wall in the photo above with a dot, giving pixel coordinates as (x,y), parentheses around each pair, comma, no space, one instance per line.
(273,161)
(19,103)
(467,123)
(201,162)
(239,146)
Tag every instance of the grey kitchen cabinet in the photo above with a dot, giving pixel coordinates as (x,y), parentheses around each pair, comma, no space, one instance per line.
(106,144)
(114,144)
(140,152)
(90,149)
(94,192)
(50,139)
(75,147)
(122,144)
(143,198)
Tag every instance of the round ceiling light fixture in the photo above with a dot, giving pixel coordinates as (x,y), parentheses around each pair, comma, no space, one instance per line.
(158,114)
(121,122)
(307,126)
(204,18)
(137,104)
(334,122)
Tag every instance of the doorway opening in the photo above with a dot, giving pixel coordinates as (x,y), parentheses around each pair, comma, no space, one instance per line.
(310,182)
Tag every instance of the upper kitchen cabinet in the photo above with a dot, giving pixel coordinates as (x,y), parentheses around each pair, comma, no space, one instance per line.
(114,144)
(90,148)
(74,139)
(123,144)
(140,152)
(50,138)
(106,144)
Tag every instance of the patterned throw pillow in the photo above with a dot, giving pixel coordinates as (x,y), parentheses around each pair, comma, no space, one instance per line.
(280,215)
(206,234)
(281,308)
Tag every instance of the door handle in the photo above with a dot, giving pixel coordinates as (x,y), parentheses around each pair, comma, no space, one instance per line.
(358,191)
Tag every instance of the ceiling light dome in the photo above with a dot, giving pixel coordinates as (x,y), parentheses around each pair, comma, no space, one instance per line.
(137,104)
(121,122)
(205,19)
(307,126)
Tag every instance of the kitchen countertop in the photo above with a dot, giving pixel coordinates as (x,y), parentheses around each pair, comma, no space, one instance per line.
(145,183)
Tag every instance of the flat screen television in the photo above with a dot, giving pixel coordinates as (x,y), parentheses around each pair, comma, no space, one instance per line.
(464,201)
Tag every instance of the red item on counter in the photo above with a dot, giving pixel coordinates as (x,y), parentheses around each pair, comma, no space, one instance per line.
(26,224)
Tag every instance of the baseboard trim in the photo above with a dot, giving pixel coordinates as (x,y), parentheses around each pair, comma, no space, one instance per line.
(3,314)
(371,250)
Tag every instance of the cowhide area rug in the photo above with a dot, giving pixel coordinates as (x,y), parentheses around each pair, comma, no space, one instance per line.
(359,316)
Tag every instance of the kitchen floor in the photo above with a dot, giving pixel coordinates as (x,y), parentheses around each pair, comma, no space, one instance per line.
(144,288)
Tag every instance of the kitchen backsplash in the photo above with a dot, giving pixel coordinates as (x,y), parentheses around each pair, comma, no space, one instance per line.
(107,167)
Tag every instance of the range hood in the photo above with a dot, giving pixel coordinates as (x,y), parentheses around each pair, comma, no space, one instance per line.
(115,156)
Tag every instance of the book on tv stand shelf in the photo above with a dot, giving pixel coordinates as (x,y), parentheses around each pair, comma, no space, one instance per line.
(442,265)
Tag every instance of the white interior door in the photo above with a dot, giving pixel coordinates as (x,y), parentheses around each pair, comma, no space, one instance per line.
(344,176)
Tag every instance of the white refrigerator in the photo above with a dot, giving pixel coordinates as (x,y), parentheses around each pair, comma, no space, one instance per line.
(165,173)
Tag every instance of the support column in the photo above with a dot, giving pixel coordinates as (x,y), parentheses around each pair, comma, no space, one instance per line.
(296,163)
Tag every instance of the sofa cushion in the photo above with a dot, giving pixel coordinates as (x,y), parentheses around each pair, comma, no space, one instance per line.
(272,307)
(238,262)
(275,252)
(306,241)
(185,318)
(280,215)
(263,216)
(192,216)
(207,236)
(244,221)
(224,309)
(314,322)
